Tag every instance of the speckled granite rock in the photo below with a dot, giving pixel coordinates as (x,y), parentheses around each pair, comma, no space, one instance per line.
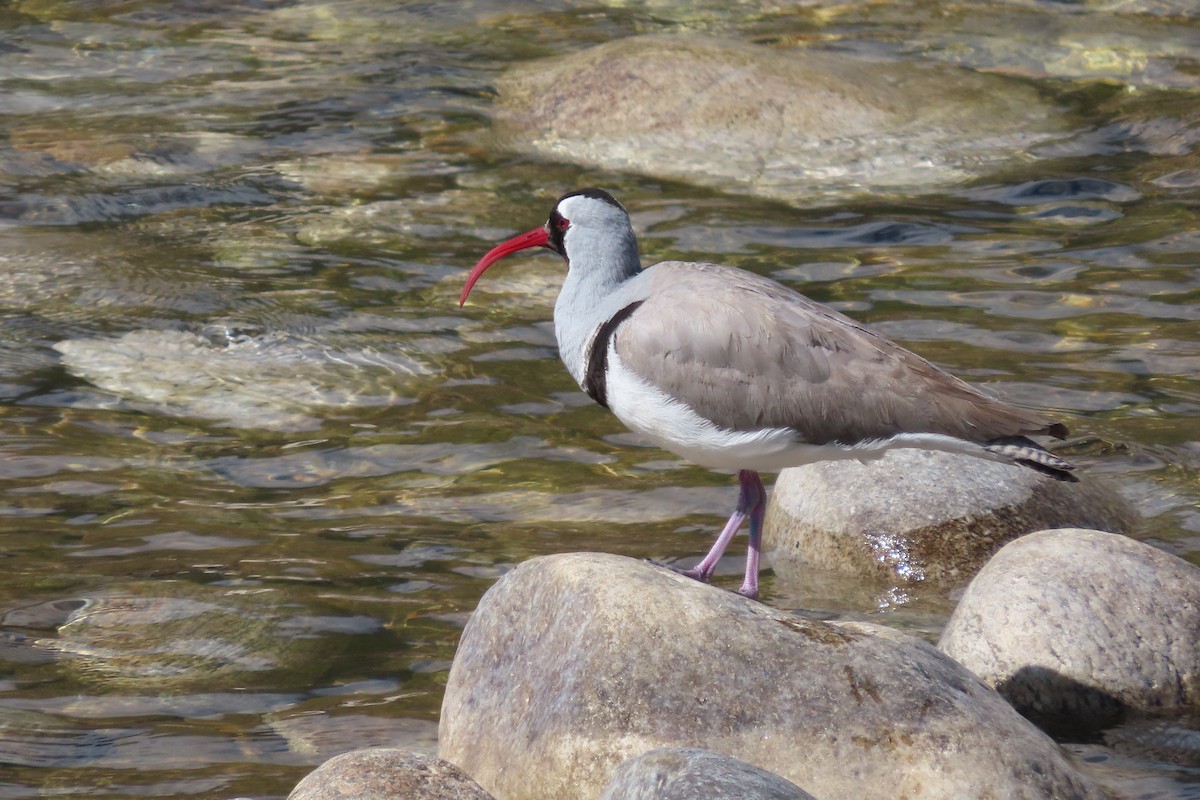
(572,664)
(790,123)
(1075,626)
(689,773)
(386,774)
(917,515)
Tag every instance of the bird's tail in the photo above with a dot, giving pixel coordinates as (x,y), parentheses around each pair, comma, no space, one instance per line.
(1029,453)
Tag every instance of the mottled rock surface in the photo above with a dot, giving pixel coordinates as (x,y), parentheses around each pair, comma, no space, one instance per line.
(387,774)
(574,663)
(788,123)
(1076,626)
(916,515)
(689,773)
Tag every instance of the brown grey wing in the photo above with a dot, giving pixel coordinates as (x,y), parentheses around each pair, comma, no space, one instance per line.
(746,353)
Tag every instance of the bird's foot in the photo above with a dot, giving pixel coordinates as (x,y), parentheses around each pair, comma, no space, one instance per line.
(696,573)
(692,573)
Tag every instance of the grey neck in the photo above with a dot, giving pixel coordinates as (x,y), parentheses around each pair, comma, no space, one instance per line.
(598,267)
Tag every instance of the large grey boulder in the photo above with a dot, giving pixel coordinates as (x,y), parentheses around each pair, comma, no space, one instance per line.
(574,663)
(787,123)
(384,773)
(1076,626)
(690,773)
(917,515)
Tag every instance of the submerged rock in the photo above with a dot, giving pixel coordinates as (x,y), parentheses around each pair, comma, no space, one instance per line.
(574,663)
(1165,738)
(1117,41)
(789,124)
(915,515)
(1076,626)
(385,773)
(272,382)
(172,637)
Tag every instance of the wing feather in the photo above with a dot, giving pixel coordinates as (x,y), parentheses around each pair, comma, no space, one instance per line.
(746,353)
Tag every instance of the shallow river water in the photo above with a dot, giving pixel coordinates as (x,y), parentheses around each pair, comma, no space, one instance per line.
(258,467)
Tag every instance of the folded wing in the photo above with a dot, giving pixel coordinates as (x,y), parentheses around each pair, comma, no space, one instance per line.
(747,353)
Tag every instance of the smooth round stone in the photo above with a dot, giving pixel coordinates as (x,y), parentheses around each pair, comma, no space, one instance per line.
(918,515)
(573,663)
(689,773)
(790,124)
(1076,626)
(387,774)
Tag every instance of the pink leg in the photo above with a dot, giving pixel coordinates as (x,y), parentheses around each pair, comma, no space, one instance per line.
(751,503)
(703,571)
(758,511)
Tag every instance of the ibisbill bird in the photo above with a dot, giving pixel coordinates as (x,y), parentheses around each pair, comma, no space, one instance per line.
(736,372)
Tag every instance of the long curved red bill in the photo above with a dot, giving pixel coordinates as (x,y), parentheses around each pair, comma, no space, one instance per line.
(538,237)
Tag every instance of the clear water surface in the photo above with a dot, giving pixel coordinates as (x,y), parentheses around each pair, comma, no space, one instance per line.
(257,467)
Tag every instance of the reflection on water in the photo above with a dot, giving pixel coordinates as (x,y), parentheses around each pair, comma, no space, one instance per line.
(258,467)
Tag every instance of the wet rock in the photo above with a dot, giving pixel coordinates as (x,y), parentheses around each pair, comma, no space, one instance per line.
(320,736)
(273,381)
(312,468)
(355,174)
(1166,739)
(387,774)
(172,637)
(1123,777)
(574,663)
(364,25)
(1179,179)
(62,274)
(688,773)
(1161,8)
(396,223)
(917,515)
(789,124)
(1076,626)
(1118,41)
(379,223)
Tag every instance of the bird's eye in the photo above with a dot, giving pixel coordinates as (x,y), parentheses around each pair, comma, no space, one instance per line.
(562,223)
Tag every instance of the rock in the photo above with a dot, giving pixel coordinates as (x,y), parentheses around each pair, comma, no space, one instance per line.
(173,637)
(790,124)
(1076,626)
(384,773)
(917,515)
(1115,41)
(688,773)
(573,663)
(319,737)
(358,173)
(273,381)
(1165,739)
